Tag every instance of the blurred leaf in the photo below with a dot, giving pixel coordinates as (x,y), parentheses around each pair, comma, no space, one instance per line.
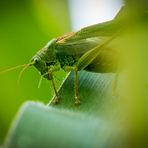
(67,125)
(52,14)
(21,36)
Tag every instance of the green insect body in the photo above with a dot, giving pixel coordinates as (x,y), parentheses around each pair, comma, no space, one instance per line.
(85,54)
(66,54)
(86,49)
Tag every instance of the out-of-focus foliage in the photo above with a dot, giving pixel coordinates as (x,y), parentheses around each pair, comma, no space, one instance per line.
(129,106)
(25,26)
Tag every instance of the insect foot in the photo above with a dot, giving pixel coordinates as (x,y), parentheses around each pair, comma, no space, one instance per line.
(77,100)
(56,100)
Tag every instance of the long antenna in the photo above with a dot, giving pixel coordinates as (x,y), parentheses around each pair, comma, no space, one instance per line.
(12,68)
(22,71)
(24,66)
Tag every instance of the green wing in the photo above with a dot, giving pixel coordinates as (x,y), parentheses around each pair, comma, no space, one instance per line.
(105,29)
(77,48)
(87,43)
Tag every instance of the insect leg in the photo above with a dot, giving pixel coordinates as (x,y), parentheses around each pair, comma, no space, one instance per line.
(76,91)
(53,68)
(90,55)
(56,98)
(102,29)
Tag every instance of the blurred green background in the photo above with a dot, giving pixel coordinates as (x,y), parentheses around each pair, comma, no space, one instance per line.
(25,26)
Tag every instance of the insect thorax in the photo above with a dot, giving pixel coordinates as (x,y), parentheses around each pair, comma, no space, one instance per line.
(66,60)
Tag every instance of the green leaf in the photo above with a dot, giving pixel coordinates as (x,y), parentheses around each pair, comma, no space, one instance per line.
(95,89)
(67,125)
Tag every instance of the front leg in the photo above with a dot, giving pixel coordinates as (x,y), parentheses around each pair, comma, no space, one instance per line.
(50,76)
(57,97)
(76,91)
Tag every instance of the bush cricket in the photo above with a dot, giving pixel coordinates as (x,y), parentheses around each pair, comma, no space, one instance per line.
(83,50)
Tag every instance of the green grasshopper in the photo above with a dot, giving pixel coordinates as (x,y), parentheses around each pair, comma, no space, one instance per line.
(83,50)
(74,56)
